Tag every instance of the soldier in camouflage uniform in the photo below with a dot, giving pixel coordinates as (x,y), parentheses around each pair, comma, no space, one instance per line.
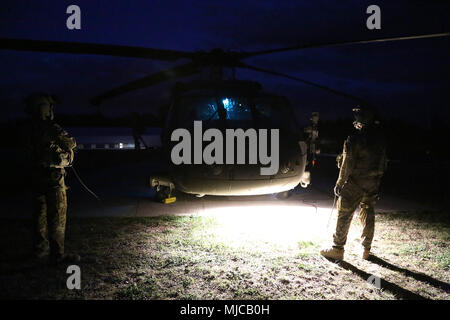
(362,164)
(50,151)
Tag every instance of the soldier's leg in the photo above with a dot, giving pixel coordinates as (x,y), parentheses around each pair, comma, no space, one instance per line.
(367,217)
(56,220)
(346,207)
(39,225)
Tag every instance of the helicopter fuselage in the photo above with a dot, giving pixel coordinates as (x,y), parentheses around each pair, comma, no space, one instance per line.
(233,105)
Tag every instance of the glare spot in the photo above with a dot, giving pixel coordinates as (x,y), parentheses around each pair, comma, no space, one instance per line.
(283,226)
(226,103)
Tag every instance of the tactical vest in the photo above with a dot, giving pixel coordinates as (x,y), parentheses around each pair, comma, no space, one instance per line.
(51,146)
(369,151)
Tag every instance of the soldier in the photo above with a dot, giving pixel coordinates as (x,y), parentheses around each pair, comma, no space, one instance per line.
(51,150)
(362,164)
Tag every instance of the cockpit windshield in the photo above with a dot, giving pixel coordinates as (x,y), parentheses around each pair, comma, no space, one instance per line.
(237,108)
(198,108)
(260,111)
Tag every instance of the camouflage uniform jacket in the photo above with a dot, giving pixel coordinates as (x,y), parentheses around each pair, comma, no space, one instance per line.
(50,150)
(363,158)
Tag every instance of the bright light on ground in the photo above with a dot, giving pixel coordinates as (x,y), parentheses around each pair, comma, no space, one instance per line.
(283,226)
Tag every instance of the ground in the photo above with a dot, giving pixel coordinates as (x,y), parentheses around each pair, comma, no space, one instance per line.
(222,247)
(194,257)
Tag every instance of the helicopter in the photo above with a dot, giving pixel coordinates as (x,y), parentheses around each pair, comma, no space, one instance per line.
(222,104)
(227,105)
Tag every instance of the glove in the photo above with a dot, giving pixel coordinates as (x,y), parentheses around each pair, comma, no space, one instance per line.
(339,160)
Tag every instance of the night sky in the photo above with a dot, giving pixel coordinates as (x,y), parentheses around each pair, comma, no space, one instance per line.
(409,79)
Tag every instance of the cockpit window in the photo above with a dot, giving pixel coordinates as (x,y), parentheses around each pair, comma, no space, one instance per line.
(199,108)
(205,108)
(260,111)
(236,109)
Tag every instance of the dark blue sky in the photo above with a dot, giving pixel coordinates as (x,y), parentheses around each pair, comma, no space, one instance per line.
(409,78)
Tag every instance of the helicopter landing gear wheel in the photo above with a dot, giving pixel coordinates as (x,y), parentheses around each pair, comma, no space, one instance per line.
(164,188)
(162,193)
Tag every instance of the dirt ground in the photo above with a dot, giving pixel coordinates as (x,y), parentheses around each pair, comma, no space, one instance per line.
(210,257)
(223,248)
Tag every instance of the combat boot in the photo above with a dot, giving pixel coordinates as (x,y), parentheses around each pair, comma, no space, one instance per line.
(333,253)
(70,258)
(40,254)
(365,254)
(64,259)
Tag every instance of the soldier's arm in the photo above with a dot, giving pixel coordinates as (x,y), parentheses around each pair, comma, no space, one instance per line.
(347,162)
(63,140)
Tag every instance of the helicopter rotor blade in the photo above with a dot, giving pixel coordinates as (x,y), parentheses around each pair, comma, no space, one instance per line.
(92,48)
(155,78)
(244,55)
(275,73)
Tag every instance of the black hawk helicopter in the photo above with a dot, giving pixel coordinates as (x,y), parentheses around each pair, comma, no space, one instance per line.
(221,104)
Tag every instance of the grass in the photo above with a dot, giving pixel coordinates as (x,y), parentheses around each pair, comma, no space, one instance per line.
(193,257)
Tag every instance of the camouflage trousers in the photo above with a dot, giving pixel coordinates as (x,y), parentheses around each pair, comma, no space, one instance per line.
(49,216)
(356,193)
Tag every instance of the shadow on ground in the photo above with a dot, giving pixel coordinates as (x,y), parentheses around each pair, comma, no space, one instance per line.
(398,291)
(418,276)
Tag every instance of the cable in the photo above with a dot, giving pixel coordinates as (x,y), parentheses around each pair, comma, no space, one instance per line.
(331,213)
(82,183)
